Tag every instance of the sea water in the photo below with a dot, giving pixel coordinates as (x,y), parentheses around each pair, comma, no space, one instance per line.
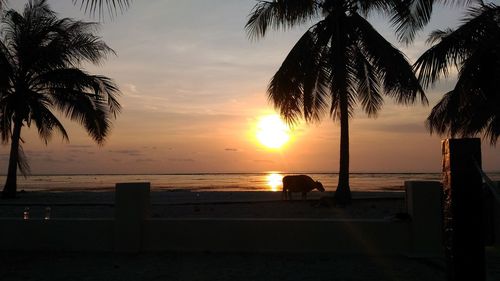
(220,181)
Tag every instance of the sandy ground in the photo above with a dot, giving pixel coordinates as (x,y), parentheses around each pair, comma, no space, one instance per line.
(207,266)
(205,204)
(216,266)
(220,267)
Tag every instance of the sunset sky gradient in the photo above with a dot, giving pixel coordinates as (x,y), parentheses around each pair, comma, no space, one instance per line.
(194,87)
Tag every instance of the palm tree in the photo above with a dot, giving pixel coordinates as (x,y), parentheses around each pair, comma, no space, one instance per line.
(40,59)
(473,106)
(339,62)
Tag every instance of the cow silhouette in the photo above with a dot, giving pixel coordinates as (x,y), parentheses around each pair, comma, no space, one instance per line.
(299,183)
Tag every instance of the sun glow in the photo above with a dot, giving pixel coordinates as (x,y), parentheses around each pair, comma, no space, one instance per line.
(272,132)
(274,181)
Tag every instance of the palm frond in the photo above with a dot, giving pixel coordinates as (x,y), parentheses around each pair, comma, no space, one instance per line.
(444,117)
(97,7)
(437,35)
(22,162)
(411,16)
(76,81)
(97,122)
(392,67)
(6,117)
(87,111)
(479,81)
(381,6)
(91,100)
(106,90)
(473,107)
(454,47)
(299,87)
(67,42)
(45,121)
(6,69)
(84,45)
(368,87)
(279,14)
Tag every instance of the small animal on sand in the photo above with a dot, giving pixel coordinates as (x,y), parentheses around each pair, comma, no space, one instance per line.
(299,183)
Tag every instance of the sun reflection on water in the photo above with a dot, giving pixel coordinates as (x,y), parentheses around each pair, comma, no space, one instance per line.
(274,181)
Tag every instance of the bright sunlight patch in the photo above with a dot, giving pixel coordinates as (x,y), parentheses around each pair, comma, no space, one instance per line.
(272,132)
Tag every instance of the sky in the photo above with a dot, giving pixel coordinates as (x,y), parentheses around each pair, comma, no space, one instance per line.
(194,88)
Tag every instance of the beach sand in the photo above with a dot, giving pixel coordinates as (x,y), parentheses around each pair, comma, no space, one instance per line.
(180,204)
(216,266)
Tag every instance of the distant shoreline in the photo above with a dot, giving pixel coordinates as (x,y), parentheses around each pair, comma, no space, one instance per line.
(381,182)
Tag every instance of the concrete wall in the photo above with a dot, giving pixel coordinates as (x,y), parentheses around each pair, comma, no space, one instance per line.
(374,237)
(424,202)
(419,236)
(57,235)
(371,237)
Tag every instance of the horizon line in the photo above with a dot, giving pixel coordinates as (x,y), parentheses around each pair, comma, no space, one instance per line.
(227,173)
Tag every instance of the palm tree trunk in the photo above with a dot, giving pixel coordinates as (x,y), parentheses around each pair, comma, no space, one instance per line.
(343,192)
(339,51)
(10,188)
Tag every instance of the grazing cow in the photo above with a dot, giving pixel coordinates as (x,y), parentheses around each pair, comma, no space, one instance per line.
(300,183)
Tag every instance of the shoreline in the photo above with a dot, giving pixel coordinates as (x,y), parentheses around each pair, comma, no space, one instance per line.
(379,182)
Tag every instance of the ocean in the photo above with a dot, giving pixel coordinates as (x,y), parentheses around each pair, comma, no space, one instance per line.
(220,181)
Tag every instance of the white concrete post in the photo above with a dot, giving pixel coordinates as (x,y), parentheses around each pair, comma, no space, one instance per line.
(424,202)
(132,207)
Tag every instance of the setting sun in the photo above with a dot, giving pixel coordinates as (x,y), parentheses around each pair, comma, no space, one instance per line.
(272,132)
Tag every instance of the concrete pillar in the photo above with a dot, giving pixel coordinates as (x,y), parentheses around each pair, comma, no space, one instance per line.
(424,201)
(496,217)
(132,207)
(463,209)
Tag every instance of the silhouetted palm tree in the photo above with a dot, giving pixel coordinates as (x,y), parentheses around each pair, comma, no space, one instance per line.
(473,106)
(40,59)
(339,62)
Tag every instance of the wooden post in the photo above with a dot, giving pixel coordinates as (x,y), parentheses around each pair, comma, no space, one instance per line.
(463,210)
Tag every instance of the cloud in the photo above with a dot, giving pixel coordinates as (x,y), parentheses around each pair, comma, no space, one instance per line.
(50,159)
(400,128)
(129,152)
(38,154)
(79,150)
(264,161)
(145,160)
(231,149)
(77,146)
(181,160)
